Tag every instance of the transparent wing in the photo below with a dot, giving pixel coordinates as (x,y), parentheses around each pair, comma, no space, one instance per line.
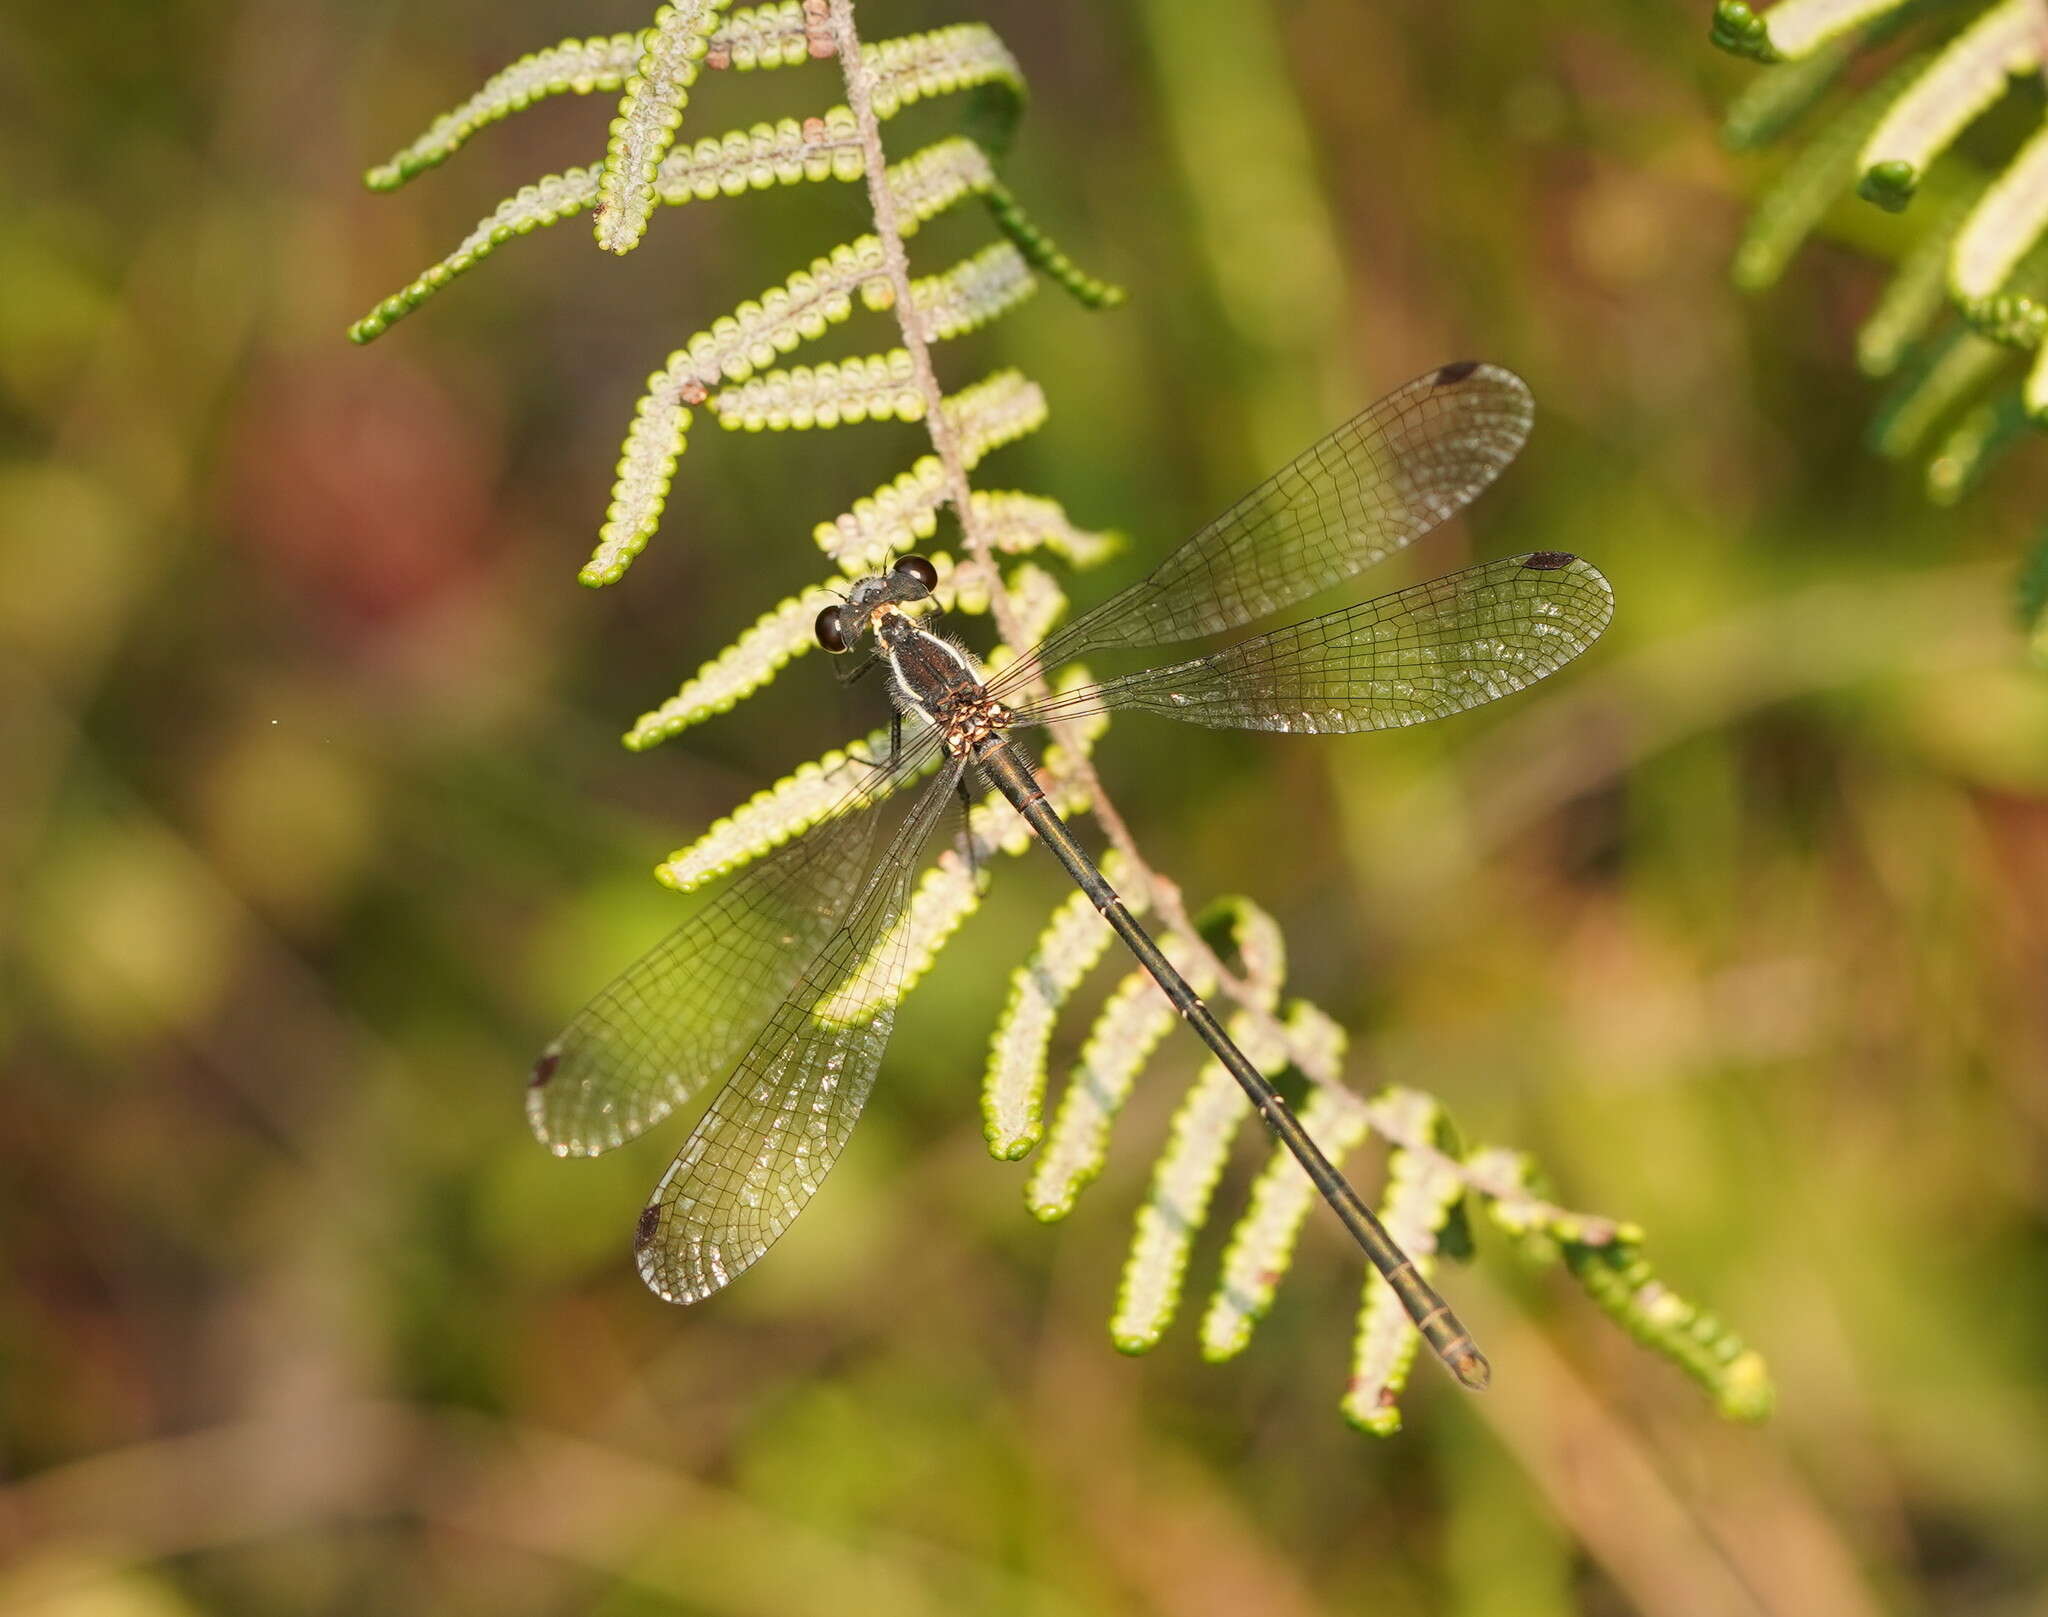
(681,1014)
(1377,483)
(1418,654)
(770,1136)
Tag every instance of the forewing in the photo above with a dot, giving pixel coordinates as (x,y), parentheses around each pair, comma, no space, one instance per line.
(680,1015)
(1418,654)
(770,1136)
(1377,483)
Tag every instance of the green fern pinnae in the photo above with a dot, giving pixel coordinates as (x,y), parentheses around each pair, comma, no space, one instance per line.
(1184,1180)
(1810,184)
(1262,1241)
(808,795)
(760,36)
(1133,1021)
(1605,1256)
(1043,254)
(1014,522)
(1976,443)
(1508,1182)
(574,67)
(2007,221)
(778,35)
(1618,1279)
(1945,372)
(1737,29)
(650,112)
(905,510)
(973,292)
(879,387)
(1918,289)
(1038,603)
(1236,924)
(1778,97)
(1423,1193)
(731,348)
(1794,30)
(927,184)
(1951,93)
(785,631)
(1072,943)
(946,61)
(787,152)
(996,411)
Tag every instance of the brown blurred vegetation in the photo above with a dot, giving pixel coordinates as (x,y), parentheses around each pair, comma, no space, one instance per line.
(313,825)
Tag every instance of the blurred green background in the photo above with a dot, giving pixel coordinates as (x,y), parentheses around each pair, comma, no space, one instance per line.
(314,826)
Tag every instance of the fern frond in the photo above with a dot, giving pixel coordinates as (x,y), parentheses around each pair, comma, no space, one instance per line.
(1976,443)
(1917,290)
(785,631)
(1184,1180)
(770,36)
(1618,1279)
(649,114)
(2007,221)
(1038,603)
(1262,1241)
(1012,522)
(732,347)
(1963,80)
(1129,1027)
(1043,253)
(574,67)
(1235,925)
(1422,1194)
(1780,96)
(788,152)
(1072,943)
(773,815)
(1737,29)
(905,510)
(773,35)
(1793,30)
(1810,184)
(785,152)
(879,387)
(548,200)
(972,293)
(1507,1180)
(966,56)
(1952,367)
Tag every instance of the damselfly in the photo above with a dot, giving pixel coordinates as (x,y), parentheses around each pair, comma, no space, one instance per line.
(783,989)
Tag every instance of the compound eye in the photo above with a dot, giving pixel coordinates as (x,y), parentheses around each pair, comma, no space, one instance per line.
(831,629)
(919,568)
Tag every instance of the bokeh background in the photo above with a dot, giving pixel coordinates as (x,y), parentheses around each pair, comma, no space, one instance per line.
(313,826)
